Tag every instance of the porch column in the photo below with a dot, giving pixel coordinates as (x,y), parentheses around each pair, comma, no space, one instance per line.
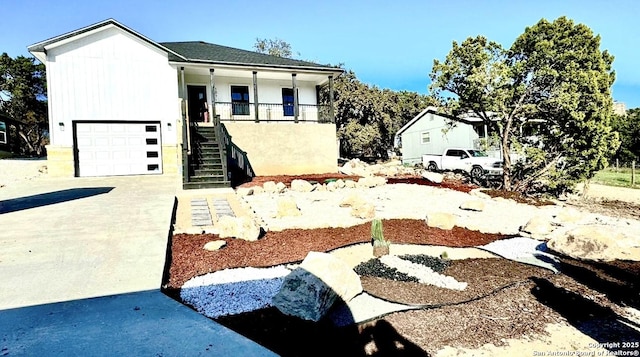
(331,113)
(211,102)
(185,128)
(295,98)
(255,95)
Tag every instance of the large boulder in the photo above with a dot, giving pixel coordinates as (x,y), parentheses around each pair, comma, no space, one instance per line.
(287,207)
(353,199)
(596,242)
(301,186)
(441,220)
(310,290)
(371,181)
(238,227)
(432,176)
(538,227)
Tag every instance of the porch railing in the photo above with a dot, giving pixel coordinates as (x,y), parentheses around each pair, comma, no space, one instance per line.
(234,153)
(272,112)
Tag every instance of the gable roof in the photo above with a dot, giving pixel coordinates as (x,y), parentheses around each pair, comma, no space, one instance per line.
(187,52)
(39,49)
(199,51)
(434,110)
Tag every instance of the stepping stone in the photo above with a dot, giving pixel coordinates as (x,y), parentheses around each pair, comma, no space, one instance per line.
(222,207)
(200,214)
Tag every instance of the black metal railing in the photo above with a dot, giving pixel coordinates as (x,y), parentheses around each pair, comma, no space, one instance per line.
(273,112)
(234,154)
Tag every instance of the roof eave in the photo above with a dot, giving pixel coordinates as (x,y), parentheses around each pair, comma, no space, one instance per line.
(335,70)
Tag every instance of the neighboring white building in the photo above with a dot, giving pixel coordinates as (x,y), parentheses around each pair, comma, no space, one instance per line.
(430,132)
(123,104)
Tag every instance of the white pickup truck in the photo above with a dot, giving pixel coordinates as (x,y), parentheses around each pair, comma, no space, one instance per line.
(474,162)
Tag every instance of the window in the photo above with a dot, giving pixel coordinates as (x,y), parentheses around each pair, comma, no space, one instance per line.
(426,137)
(287,102)
(240,100)
(3,132)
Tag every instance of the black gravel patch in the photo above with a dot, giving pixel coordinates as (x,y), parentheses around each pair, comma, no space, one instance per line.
(375,268)
(438,265)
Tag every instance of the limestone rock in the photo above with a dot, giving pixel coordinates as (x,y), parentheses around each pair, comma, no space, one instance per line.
(597,242)
(269,187)
(331,186)
(441,220)
(371,181)
(472,205)
(538,227)
(569,216)
(478,193)
(340,183)
(244,191)
(349,184)
(281,187)
(346,169)
(364,210)
(320,188)
(214,245)
(353,199)
(312,288)
(301,186)
(238,227)
(257,190)
(432,176)
(287,207)
(334,272)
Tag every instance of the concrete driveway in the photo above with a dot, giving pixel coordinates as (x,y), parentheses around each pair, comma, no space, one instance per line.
(69,239)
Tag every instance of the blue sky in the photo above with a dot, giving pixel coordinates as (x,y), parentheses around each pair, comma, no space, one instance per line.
(390,44)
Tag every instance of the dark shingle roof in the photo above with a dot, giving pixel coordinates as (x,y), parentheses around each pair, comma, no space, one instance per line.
(198,51)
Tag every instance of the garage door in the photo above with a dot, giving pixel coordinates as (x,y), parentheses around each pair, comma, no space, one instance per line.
(106,149)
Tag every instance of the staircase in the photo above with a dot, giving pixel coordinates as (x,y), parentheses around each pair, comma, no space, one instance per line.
(206,169)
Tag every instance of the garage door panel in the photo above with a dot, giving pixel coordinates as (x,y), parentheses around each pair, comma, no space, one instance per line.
(106,149)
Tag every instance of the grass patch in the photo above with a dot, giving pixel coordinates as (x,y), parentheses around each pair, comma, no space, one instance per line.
(619,178)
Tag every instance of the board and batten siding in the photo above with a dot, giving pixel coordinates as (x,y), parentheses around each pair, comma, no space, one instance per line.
(441,137)
(110,76)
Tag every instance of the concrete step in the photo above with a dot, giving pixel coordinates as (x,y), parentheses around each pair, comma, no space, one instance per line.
(200,185)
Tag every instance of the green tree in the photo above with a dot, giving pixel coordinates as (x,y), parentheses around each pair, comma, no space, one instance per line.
(554,81)
(275,47)
(628,127)
(23,97)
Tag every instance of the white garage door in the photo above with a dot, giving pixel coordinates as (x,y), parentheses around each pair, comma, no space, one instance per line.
(106,149)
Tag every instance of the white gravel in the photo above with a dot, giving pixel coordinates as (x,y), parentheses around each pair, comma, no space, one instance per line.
(233,291)
(425,275)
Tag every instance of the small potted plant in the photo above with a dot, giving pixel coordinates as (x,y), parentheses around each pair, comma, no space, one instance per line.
(380,245)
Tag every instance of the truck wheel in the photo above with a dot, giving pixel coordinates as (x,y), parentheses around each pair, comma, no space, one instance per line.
(477,172)
(432,166)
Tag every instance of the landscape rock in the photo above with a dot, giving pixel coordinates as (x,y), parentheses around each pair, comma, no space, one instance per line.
(269,187)
(287,207)
(257,190)
(332,186)
(371,181)
(441,220)
(238,227)
(301,186)
(244,191)
(310,290)
(472,205)
(281,187)
(353,199)
(349,184)
(432,176)
(214,245)
(478,193)
(320,188)
(364,210)
(596,242)
(340,183)
(538,227)
(569,216)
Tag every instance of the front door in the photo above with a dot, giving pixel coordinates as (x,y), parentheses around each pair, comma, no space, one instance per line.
(198,109)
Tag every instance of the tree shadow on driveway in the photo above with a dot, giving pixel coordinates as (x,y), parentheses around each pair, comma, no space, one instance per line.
(50,198)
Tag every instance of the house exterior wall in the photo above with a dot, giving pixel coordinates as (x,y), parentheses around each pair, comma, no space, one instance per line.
(441,137)
(287,148)
(108,76)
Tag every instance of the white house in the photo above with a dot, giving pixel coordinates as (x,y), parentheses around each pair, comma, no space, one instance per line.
(430,132)
(123,104)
